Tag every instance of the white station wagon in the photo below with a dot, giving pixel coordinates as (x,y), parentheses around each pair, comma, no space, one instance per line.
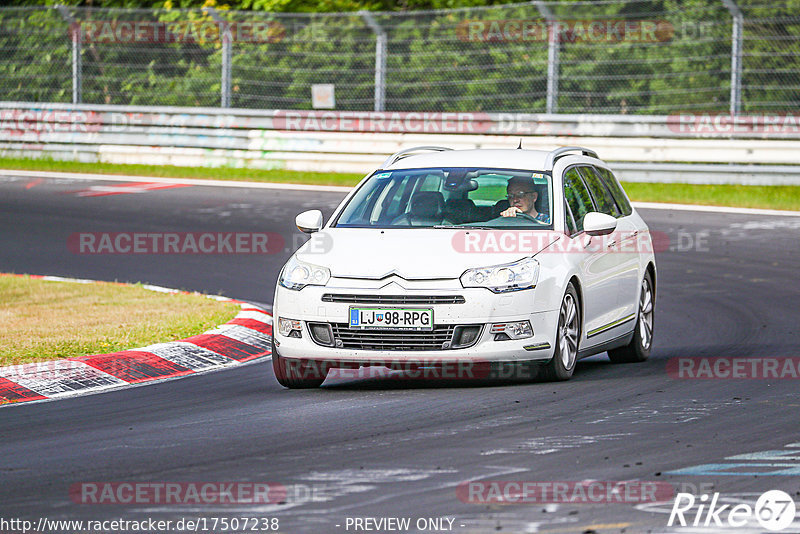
(445,263)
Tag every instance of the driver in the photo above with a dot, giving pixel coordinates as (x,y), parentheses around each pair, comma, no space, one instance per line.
(522,197)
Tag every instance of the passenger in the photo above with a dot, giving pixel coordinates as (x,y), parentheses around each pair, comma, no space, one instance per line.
(522,197)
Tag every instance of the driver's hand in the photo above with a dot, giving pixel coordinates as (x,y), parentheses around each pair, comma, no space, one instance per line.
(511,212)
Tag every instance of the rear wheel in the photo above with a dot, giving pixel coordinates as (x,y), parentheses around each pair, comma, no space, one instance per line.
(638,350)
(297,373)
(565,356)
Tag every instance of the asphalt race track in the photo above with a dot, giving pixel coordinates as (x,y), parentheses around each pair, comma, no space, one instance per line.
(395,448)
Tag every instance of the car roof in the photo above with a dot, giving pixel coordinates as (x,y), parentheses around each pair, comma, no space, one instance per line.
(499,158)
(533,160)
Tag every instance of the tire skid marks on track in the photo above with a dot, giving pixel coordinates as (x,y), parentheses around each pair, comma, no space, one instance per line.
(247,337)
(551,444)
(124,189)
(329,492)
(663,413)
(784,462)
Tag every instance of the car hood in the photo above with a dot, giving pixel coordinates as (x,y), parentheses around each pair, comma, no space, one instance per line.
(420,253)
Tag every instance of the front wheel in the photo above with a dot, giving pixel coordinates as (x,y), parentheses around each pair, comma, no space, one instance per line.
(565,356)
(638,350)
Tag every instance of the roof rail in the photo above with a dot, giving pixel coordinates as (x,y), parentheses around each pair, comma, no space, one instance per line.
(394,158)
(562,151)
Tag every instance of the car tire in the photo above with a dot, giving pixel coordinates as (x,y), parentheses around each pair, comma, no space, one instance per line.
(296,373)
(565,356)
(638,350)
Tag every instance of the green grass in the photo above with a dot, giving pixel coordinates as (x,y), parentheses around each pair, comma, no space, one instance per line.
(778,197)
(40,321)
(744,196)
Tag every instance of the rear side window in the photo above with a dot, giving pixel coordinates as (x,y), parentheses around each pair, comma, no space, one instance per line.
(612,184)
(602,196)
(578,198)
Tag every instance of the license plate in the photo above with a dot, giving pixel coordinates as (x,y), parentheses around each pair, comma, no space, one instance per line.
(392,318)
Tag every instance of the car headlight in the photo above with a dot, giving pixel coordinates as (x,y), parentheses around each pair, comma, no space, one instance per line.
(515,276)
(298,274)
(289,327)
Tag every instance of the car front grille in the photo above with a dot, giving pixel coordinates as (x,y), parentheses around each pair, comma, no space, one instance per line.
(403,340)
(393,299)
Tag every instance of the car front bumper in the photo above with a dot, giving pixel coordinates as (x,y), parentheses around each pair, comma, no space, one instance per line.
(480,307)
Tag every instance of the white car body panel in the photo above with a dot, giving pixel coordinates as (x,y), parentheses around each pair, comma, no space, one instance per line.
(430,253)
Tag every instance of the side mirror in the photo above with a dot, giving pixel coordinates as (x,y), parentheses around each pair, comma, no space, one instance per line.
(309,222)
(595,223)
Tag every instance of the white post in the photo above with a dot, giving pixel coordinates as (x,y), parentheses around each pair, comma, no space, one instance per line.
(227,38)
(77,63)
(553,49)
(736,55)
(380,59)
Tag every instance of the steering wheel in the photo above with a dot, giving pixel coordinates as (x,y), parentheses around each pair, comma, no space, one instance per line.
(525,216)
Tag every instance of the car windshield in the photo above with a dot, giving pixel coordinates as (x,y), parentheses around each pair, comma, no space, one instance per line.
(447,197)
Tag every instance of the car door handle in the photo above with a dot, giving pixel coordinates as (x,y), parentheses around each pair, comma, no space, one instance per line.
(611,244)
(631,236)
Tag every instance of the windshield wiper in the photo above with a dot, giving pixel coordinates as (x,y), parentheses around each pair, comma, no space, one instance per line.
(453,226)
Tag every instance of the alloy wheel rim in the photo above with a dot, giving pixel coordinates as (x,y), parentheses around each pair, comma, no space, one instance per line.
(646,315)
(568,332)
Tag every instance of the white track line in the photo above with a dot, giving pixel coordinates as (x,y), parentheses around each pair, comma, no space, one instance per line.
(190,181)
(714,209)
